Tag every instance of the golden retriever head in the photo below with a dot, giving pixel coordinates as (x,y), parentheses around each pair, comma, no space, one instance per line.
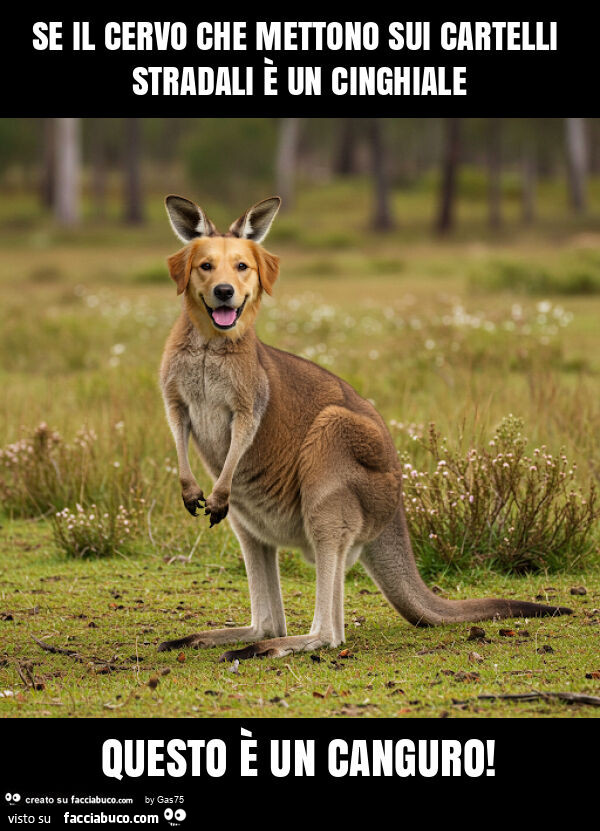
(222,275)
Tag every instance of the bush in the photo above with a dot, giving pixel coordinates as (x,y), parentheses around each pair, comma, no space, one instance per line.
(498,505)
(42,473)
(93,533)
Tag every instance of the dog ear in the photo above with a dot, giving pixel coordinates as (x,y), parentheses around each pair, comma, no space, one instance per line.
(268,268)
(180,268)
(256,222)
(187,219)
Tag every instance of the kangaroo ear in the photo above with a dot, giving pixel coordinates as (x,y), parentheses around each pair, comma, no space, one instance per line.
(180,268)
(256,222)
(268,268)
(187,219)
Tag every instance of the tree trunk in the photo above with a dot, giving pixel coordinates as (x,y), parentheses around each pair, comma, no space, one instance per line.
(344,163)
(48,177)
(495,172)
(133,188)
(285,167)
(528,180)
(68,160)
(382,213)
(594,145)
(98,159)
(450,161)
(577,162)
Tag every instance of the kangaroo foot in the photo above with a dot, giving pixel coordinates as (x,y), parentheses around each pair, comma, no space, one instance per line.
(214,637)
(279,647)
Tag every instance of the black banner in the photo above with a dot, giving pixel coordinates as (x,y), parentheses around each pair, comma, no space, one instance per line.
(381,66)
(148,771)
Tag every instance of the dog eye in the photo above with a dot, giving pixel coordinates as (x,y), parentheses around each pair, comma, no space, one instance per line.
(206,266)
(242,266)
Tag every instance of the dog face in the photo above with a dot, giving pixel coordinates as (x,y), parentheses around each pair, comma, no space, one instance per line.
(222,276)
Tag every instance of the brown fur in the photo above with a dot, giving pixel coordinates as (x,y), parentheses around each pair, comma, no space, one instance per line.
(297,456)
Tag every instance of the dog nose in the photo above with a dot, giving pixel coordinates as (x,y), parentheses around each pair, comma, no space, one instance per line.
(224,291)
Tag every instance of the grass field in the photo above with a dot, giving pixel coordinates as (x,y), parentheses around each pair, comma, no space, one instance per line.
(460,333)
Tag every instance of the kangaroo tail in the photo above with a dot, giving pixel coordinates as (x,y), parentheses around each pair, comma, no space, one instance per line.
(390,562)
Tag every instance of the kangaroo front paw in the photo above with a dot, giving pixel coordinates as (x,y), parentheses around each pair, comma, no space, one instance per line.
(217,506)
(194,501)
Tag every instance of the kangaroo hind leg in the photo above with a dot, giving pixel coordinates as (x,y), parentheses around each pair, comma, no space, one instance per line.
(332,530)
(268,617)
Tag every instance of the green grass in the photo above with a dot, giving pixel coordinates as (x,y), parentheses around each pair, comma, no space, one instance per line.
(117,610)
(405,319)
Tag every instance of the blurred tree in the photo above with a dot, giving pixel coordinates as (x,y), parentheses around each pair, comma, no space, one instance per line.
(548,136)
(20,145)
(528,179)
(522,142)
(285,165)
(382,210)
(450,161)
(345,162)
(67,177)
(494,164)
(99,166)
(414,137)
(134,213)
(577,162)
(594,145)
(48,164)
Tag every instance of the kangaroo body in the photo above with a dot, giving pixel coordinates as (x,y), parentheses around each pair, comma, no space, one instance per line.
(298,457)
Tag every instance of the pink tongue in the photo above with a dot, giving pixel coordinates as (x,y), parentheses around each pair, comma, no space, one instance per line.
(224,316)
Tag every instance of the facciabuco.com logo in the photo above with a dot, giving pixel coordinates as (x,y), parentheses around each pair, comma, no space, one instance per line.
(100,800)
(107,819)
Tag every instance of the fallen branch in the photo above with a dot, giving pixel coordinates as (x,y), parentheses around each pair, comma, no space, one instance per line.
(571,698)
(48,647)
(24,669)
(72,653)
(25,674)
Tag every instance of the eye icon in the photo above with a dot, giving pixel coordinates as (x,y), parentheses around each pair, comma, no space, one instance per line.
(174,818)
(12,797)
